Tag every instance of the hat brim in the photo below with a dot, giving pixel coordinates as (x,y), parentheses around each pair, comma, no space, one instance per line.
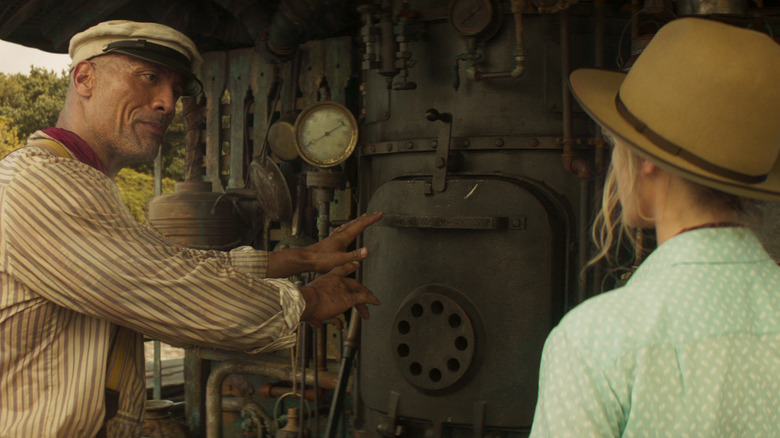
(596,89)
(191,85)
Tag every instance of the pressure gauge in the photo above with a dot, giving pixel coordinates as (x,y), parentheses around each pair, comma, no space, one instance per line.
(474,18)
(325,134)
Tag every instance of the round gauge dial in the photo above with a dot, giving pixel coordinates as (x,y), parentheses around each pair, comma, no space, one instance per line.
(472,17)
(325,134)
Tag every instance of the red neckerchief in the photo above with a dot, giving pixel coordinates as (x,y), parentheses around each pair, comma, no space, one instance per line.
(79,147)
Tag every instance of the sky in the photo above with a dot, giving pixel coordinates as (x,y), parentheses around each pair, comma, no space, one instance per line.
(15,58)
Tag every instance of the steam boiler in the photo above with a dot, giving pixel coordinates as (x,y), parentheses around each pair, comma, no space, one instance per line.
(454,119)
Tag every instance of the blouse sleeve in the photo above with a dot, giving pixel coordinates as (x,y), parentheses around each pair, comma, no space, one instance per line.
(65,233)
(575,396)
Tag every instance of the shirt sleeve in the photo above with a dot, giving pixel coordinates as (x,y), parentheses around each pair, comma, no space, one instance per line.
(575,397)
(66,234)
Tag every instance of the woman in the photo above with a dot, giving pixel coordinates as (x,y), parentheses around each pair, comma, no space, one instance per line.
(690,346)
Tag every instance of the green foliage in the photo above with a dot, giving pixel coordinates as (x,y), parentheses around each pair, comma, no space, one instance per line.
(137,189)
(9,137)
(32,101)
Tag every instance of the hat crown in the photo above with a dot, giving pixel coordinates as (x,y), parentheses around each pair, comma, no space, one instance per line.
(157,43)
(713,90)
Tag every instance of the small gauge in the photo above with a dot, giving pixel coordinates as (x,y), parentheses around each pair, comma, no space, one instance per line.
(281,137)
(325,134)
(473,17)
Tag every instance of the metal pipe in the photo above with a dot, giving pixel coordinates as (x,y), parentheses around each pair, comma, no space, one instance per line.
(387,42)
(473,73)
(238,404)
(243,366)
(571,162)
(272,390)
(350,348)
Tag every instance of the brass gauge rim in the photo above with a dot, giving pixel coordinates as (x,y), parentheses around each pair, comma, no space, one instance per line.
(319,106)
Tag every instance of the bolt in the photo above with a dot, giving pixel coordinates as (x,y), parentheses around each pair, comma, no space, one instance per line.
(434,143)
(500,142)
(534,142)
(409,145)
(440,163)
(466,143)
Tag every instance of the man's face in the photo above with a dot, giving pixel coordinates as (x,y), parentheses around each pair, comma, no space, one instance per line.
(133,103)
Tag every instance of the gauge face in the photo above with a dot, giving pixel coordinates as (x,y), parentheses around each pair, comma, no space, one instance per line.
(325,134)
(471,17)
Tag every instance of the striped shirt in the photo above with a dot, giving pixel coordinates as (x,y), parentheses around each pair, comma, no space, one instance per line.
(75,266)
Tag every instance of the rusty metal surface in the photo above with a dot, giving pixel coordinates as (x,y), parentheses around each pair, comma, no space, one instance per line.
(195,217)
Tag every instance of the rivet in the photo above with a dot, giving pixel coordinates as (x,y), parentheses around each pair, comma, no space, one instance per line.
(466,143)
(434,143)
(409,145)
(440,163)
(500,142)
(373,148)
(534,142)
(389,147)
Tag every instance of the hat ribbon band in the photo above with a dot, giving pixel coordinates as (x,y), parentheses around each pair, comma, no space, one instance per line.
(182,63)
(658,140)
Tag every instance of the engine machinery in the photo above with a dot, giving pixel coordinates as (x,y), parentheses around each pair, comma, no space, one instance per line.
(454,118)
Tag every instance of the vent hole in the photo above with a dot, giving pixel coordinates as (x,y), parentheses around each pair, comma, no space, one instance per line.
(454,320)
(403,327)
(453,365)
(437,307)
(403,350)
(435,374)
(461,343)
(417,310)
(415,368)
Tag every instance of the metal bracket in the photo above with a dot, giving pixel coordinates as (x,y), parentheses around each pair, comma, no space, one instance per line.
(389,426)
(442,148)
(479,418)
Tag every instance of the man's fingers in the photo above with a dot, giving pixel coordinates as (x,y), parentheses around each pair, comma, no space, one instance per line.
(360,293)
(345,269)
(356,226)
(362,309)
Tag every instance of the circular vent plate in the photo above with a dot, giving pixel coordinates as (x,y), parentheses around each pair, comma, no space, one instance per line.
(433,341)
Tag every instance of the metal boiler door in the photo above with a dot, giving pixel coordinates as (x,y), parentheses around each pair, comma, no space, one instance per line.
(471,280)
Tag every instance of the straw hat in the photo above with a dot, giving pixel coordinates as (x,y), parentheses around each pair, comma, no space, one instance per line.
(702,101)
(152,42)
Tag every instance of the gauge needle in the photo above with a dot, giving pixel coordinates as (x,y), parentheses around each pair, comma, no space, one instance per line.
(327,133)
(473,11)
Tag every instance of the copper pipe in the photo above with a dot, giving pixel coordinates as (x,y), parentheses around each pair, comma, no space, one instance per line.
(243,366)
(276,390)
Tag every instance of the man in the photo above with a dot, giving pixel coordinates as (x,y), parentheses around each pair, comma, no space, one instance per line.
(81,282)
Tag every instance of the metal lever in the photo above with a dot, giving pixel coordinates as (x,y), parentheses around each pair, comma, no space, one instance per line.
(439,182)
(347,357)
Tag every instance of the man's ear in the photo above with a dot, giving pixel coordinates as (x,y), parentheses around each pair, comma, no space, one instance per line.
(83,78)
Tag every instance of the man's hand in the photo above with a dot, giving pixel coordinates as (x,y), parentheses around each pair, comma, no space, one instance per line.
(325,255)
(333,293)
(330,252)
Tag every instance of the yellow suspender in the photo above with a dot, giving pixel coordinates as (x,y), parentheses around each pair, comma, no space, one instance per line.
(119,357)
(53,146)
